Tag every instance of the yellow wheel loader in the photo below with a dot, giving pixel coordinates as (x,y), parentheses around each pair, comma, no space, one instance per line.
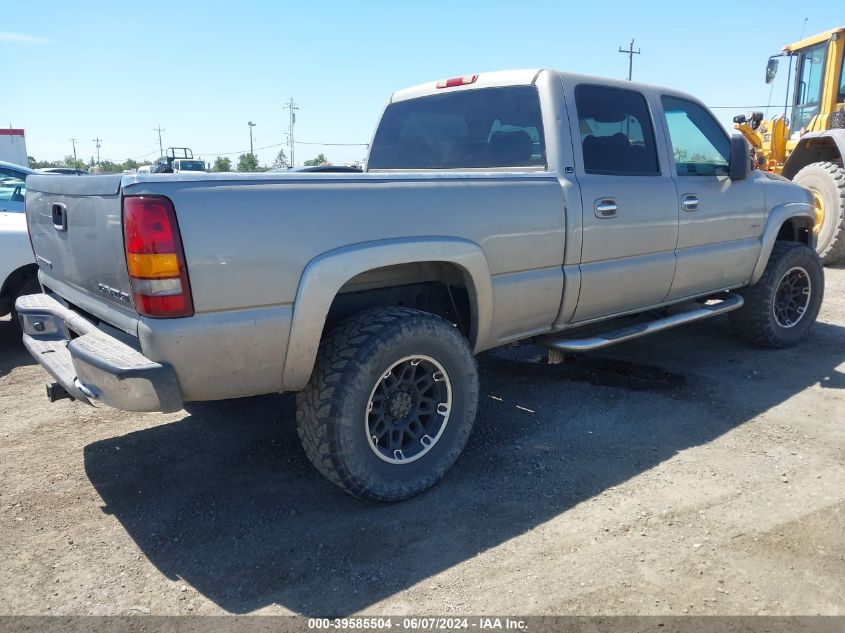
(806,143)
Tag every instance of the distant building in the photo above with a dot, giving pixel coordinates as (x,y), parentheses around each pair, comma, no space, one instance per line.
(13,146)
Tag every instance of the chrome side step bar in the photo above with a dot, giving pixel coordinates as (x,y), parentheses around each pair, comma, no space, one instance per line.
(705,311)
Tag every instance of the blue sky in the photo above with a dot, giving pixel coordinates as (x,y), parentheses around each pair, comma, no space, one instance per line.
(203,69)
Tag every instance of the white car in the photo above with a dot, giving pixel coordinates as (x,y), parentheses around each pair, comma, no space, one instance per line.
(18,272)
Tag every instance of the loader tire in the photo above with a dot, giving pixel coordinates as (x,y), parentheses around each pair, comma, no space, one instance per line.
(827,181)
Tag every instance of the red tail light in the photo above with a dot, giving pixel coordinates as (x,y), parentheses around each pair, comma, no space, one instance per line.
(155,257)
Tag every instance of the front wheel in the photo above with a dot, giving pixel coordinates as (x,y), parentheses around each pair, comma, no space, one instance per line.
(782,306)
(390,404)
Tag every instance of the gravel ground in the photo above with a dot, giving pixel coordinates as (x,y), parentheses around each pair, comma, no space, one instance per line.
(686,473)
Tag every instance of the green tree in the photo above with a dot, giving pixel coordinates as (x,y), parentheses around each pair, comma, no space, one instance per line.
(314,162)
(281,160)
(680,154)
(221,163)
(129,164)
(70,162)
(247,162)
(38,164)
(109,167)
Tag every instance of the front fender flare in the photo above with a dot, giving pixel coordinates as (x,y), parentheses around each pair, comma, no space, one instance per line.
(777,217)
(326,274)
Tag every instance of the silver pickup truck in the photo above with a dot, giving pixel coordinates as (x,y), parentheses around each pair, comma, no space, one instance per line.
(573,210)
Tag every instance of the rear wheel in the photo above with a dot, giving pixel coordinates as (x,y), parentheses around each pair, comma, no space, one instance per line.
(390,404)
(827,182)
(780,308)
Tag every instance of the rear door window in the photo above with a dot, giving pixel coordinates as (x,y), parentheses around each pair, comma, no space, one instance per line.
(487,127)
(617,137)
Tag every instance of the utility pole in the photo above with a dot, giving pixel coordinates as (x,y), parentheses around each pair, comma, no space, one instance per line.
(293,108)
(97,141)
(630,52)
(251,125)
(159,129)
(73,142)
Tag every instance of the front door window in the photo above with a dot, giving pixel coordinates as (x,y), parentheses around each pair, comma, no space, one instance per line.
(700,146)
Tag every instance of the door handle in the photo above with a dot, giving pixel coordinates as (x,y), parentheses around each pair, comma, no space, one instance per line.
(689,202)
(60,217)
(606,208)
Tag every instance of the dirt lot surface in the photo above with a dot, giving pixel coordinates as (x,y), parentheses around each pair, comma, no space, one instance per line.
(686,473)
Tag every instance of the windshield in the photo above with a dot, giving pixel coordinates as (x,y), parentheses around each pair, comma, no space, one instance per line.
(190,165)
(488,127)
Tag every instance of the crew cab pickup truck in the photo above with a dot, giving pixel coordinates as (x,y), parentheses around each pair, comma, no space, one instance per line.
(534,204)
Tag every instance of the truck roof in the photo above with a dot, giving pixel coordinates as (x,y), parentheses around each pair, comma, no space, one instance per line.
(495,79)
(527,77)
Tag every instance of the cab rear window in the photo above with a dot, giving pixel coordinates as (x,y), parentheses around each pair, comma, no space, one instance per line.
(487,127)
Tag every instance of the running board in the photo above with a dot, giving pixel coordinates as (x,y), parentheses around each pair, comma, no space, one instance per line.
(729,303)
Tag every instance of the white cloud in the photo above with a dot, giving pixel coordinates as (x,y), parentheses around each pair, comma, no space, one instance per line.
(20,38)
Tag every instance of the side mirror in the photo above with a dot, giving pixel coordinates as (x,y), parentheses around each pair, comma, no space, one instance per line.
(771,69)
(740,160)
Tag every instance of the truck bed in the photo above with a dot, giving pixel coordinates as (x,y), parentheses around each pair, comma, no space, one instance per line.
(249,238)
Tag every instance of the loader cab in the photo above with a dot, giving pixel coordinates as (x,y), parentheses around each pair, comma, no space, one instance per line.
(819,83)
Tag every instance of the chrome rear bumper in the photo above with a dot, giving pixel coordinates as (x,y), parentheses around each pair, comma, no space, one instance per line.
(91,365)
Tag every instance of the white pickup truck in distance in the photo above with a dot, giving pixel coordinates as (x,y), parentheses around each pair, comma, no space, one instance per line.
(527,204)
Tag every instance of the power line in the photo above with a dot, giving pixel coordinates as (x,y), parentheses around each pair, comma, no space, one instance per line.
(144,155)
(74,141)
(242,151)
(335,144)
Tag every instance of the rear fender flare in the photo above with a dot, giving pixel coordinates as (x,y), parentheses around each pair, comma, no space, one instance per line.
(326,274)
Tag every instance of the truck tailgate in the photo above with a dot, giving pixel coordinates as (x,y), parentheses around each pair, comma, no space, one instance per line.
(77,234)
